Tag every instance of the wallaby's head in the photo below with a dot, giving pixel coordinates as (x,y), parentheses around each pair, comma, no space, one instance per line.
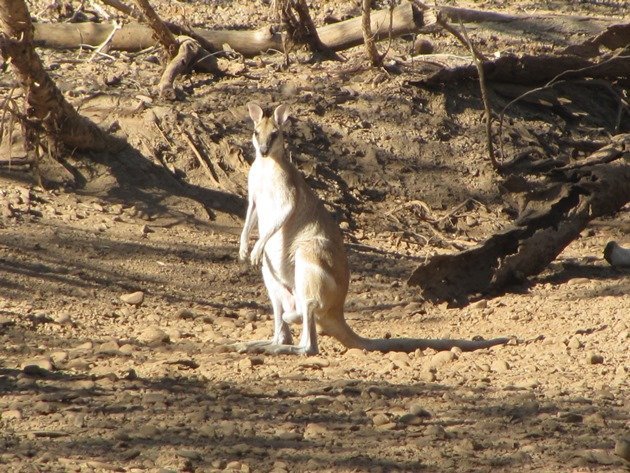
(268,139)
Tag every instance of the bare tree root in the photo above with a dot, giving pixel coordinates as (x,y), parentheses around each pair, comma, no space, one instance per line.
(553,218)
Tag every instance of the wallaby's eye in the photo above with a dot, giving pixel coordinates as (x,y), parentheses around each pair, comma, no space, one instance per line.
(256,133)
(273,136)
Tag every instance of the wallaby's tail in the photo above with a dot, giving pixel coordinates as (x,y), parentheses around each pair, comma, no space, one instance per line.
(350,339)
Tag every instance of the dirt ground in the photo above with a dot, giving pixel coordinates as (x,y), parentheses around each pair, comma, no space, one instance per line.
(89,382)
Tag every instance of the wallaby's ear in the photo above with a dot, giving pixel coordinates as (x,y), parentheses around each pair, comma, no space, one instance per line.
(281,114)
(255,112)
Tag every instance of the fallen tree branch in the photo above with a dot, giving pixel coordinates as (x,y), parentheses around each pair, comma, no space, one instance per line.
(135,37)
(546,226)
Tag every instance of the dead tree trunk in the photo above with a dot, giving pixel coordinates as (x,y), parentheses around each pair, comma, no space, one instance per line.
(545,228)
(302,30)
(368,38)
(45,102)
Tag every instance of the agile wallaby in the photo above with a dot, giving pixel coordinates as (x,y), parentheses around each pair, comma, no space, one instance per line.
(304,263)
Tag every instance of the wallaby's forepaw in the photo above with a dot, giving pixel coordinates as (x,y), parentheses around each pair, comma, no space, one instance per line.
(242,254)
(256,257)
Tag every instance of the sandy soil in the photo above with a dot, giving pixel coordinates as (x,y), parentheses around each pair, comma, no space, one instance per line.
(91,380)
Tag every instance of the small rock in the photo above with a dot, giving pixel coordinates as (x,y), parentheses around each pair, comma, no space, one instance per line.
(442,358)
(108,348)
(314,363)
(134,298)
(622,448)
(314,430)
(63,318)
(574,343)
(595,420)
(153,336)
(410,419)
(59,357)
(185,314)
(11,414)
(427,376)
(380,419)
(436,431)
(482,304)
(37,367)
(594,358)
(418,410)
(500,366)
(422,46)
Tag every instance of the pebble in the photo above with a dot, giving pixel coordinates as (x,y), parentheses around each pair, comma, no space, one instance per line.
(108,348)
(314,430)
(410,419)
(11,414)
(59,357)
(574,343)
(441,358)
(153,336)
(436,431)
(594,358)
(380,419)
(419,411)
(134,298)
(500,366)
(427,376)
(63,318)
(622,448)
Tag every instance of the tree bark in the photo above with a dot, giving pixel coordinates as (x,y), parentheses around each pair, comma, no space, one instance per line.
(545,228)
(45,102)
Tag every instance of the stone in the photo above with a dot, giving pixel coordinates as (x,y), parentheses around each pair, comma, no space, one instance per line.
(153,336)
(436,431)
(500,366)
(63,318)
(380,419)
(134,298)
(11,414)
(622,448)
(441,358)
(594,358)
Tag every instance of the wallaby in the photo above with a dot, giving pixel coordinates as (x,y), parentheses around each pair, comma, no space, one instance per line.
(304,263)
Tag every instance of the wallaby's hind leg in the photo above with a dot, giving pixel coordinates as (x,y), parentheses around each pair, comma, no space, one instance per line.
(282,301)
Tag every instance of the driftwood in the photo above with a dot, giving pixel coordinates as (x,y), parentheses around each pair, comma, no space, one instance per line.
(548,223)
(46,106)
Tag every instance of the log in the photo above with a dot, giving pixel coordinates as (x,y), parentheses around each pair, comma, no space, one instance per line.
(46,105)
(135,37)
(545,228)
